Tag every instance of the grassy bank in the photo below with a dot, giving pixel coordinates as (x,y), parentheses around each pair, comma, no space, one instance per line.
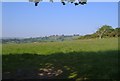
(79,59)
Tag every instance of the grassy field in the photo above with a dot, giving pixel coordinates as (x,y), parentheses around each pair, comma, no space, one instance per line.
(78,59)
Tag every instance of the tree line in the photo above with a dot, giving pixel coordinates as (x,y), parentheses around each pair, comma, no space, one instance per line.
(52,38)
(103,32)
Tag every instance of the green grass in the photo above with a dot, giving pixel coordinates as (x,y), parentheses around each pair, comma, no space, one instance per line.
(0,49)
(78,59)
(93,45)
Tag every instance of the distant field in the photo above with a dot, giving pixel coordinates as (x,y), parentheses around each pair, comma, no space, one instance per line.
(0,49)
(90,45)
(78,59)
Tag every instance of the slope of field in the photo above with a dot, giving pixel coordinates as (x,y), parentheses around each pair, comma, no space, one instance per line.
(90,45)
(79,59)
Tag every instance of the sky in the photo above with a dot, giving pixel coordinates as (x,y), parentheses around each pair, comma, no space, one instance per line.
(0,20)
(23,19)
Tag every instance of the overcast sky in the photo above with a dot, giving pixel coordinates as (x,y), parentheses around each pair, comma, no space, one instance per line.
(23,19)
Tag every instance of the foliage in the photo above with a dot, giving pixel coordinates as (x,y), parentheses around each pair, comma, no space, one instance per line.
(82,2)
(105,31)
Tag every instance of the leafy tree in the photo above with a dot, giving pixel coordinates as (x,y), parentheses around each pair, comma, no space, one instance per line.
(103,30)
(117,32)
(109,33)
(82,2)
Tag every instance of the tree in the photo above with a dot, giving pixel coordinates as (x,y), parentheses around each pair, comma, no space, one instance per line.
(104,29)
(117,32)
(76,2)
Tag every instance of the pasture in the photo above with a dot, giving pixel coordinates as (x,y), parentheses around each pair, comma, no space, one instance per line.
(77,59)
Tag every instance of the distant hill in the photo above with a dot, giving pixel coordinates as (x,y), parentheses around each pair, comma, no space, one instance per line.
(52,38)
